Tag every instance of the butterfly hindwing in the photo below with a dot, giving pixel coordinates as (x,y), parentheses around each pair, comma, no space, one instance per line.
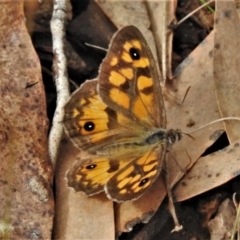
(91,175)
(133,180)
(123,177)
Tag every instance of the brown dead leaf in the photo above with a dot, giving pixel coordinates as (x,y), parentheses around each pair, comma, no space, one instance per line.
(162,16)
(209,172)
(79,216)
(226,64)
(195,72)
(90,32)
(26,199)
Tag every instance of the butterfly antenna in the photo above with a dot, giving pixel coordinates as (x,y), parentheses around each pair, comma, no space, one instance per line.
(215,121)
(189,135)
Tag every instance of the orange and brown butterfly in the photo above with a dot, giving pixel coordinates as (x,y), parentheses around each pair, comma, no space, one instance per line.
(120,121)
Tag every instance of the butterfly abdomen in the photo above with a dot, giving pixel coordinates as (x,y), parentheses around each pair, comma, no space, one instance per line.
(141,144)
(126,148)
(156,137)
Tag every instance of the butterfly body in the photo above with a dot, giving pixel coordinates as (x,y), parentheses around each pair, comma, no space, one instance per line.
(139,144)
(120,121)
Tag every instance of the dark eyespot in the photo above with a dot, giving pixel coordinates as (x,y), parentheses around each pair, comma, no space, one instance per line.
(143,182)
(89,126)
(92,166)
(134,53)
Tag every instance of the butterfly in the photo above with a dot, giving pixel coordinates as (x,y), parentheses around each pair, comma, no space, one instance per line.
(120,121)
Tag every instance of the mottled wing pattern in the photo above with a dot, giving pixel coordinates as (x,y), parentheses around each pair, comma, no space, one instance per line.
(91,124)
(128,79)
(133,180)
(123,177)
(90,175)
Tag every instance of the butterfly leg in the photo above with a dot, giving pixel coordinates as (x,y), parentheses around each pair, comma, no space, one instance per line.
(171,206)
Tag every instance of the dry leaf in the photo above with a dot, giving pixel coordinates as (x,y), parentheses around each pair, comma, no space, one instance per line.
(226,64)
(162,16)
(195,72)
(79,216)
(209,172)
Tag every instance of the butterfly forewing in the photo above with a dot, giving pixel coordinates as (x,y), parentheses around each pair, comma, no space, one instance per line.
(128,79)
(91,124)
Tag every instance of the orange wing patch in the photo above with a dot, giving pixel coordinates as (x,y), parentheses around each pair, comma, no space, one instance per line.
(120,98)
(114,61)
(144,82)
(116,78)
(127,73)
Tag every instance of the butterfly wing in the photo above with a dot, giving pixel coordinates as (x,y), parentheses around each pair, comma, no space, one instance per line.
(128,79)
(92,125)
(133,180)
(90,175)
(123,177)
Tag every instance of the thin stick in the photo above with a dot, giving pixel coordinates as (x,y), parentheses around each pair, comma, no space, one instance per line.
(191,13)
(95,46)
(60,76)
(236,222)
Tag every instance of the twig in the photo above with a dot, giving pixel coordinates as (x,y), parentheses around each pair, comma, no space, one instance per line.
(236,222)
(60,75)
(191,13)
